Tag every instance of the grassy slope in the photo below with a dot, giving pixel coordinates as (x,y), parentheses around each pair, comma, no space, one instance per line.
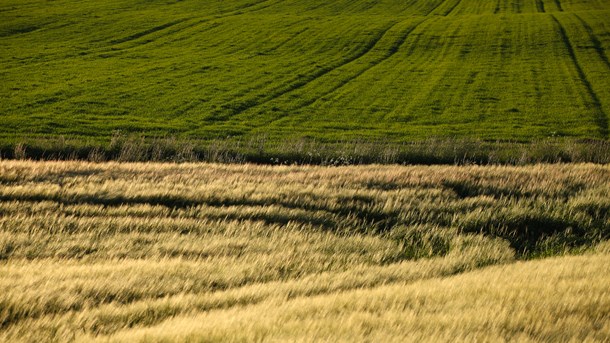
(341,69)
(243,252)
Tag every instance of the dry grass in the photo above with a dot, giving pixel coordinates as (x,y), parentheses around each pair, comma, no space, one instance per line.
(560,299)
(206,252)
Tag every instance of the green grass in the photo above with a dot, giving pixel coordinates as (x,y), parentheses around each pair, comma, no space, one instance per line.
(340,70)
(141,252)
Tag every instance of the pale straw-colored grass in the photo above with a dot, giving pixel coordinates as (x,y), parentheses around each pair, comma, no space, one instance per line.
(212,252)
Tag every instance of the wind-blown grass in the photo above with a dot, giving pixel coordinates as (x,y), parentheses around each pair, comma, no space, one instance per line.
(182,252)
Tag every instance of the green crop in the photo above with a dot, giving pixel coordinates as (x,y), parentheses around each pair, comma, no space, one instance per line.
(394,70)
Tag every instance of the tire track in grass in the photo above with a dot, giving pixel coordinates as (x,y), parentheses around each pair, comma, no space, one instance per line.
(238,10)
(325,71)
(391,52)
(597,45)
(286,41)
(540,6)
(318,74)
(558,4)
(457,3)
(497,9)
(353,277)
(601,118)
(165,26)
(517,6)
(435,7)
(320,284)
(146,32)
(134,38)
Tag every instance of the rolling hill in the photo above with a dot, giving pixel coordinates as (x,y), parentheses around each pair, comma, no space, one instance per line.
(389,69)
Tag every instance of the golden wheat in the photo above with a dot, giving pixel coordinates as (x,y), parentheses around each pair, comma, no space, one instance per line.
(213,252)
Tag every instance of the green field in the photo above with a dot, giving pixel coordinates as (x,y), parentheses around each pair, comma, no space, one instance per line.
(127,252)
(331,70)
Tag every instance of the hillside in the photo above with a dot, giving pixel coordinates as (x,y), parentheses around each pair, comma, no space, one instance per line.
(397,70)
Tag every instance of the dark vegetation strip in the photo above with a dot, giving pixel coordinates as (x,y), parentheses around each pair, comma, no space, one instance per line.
(263,150)
(525,230)
(540,6)
(378,221)
(601,118)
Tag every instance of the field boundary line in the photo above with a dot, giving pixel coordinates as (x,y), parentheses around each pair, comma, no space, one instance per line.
(601,117)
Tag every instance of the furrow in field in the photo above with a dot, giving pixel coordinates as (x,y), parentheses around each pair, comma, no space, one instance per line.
(139,40)
(286,41)
(601,118)
(254,6)
(503,7)
(476,7)
(540,6)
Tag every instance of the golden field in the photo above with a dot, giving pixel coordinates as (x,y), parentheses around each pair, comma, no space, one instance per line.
(215,253)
